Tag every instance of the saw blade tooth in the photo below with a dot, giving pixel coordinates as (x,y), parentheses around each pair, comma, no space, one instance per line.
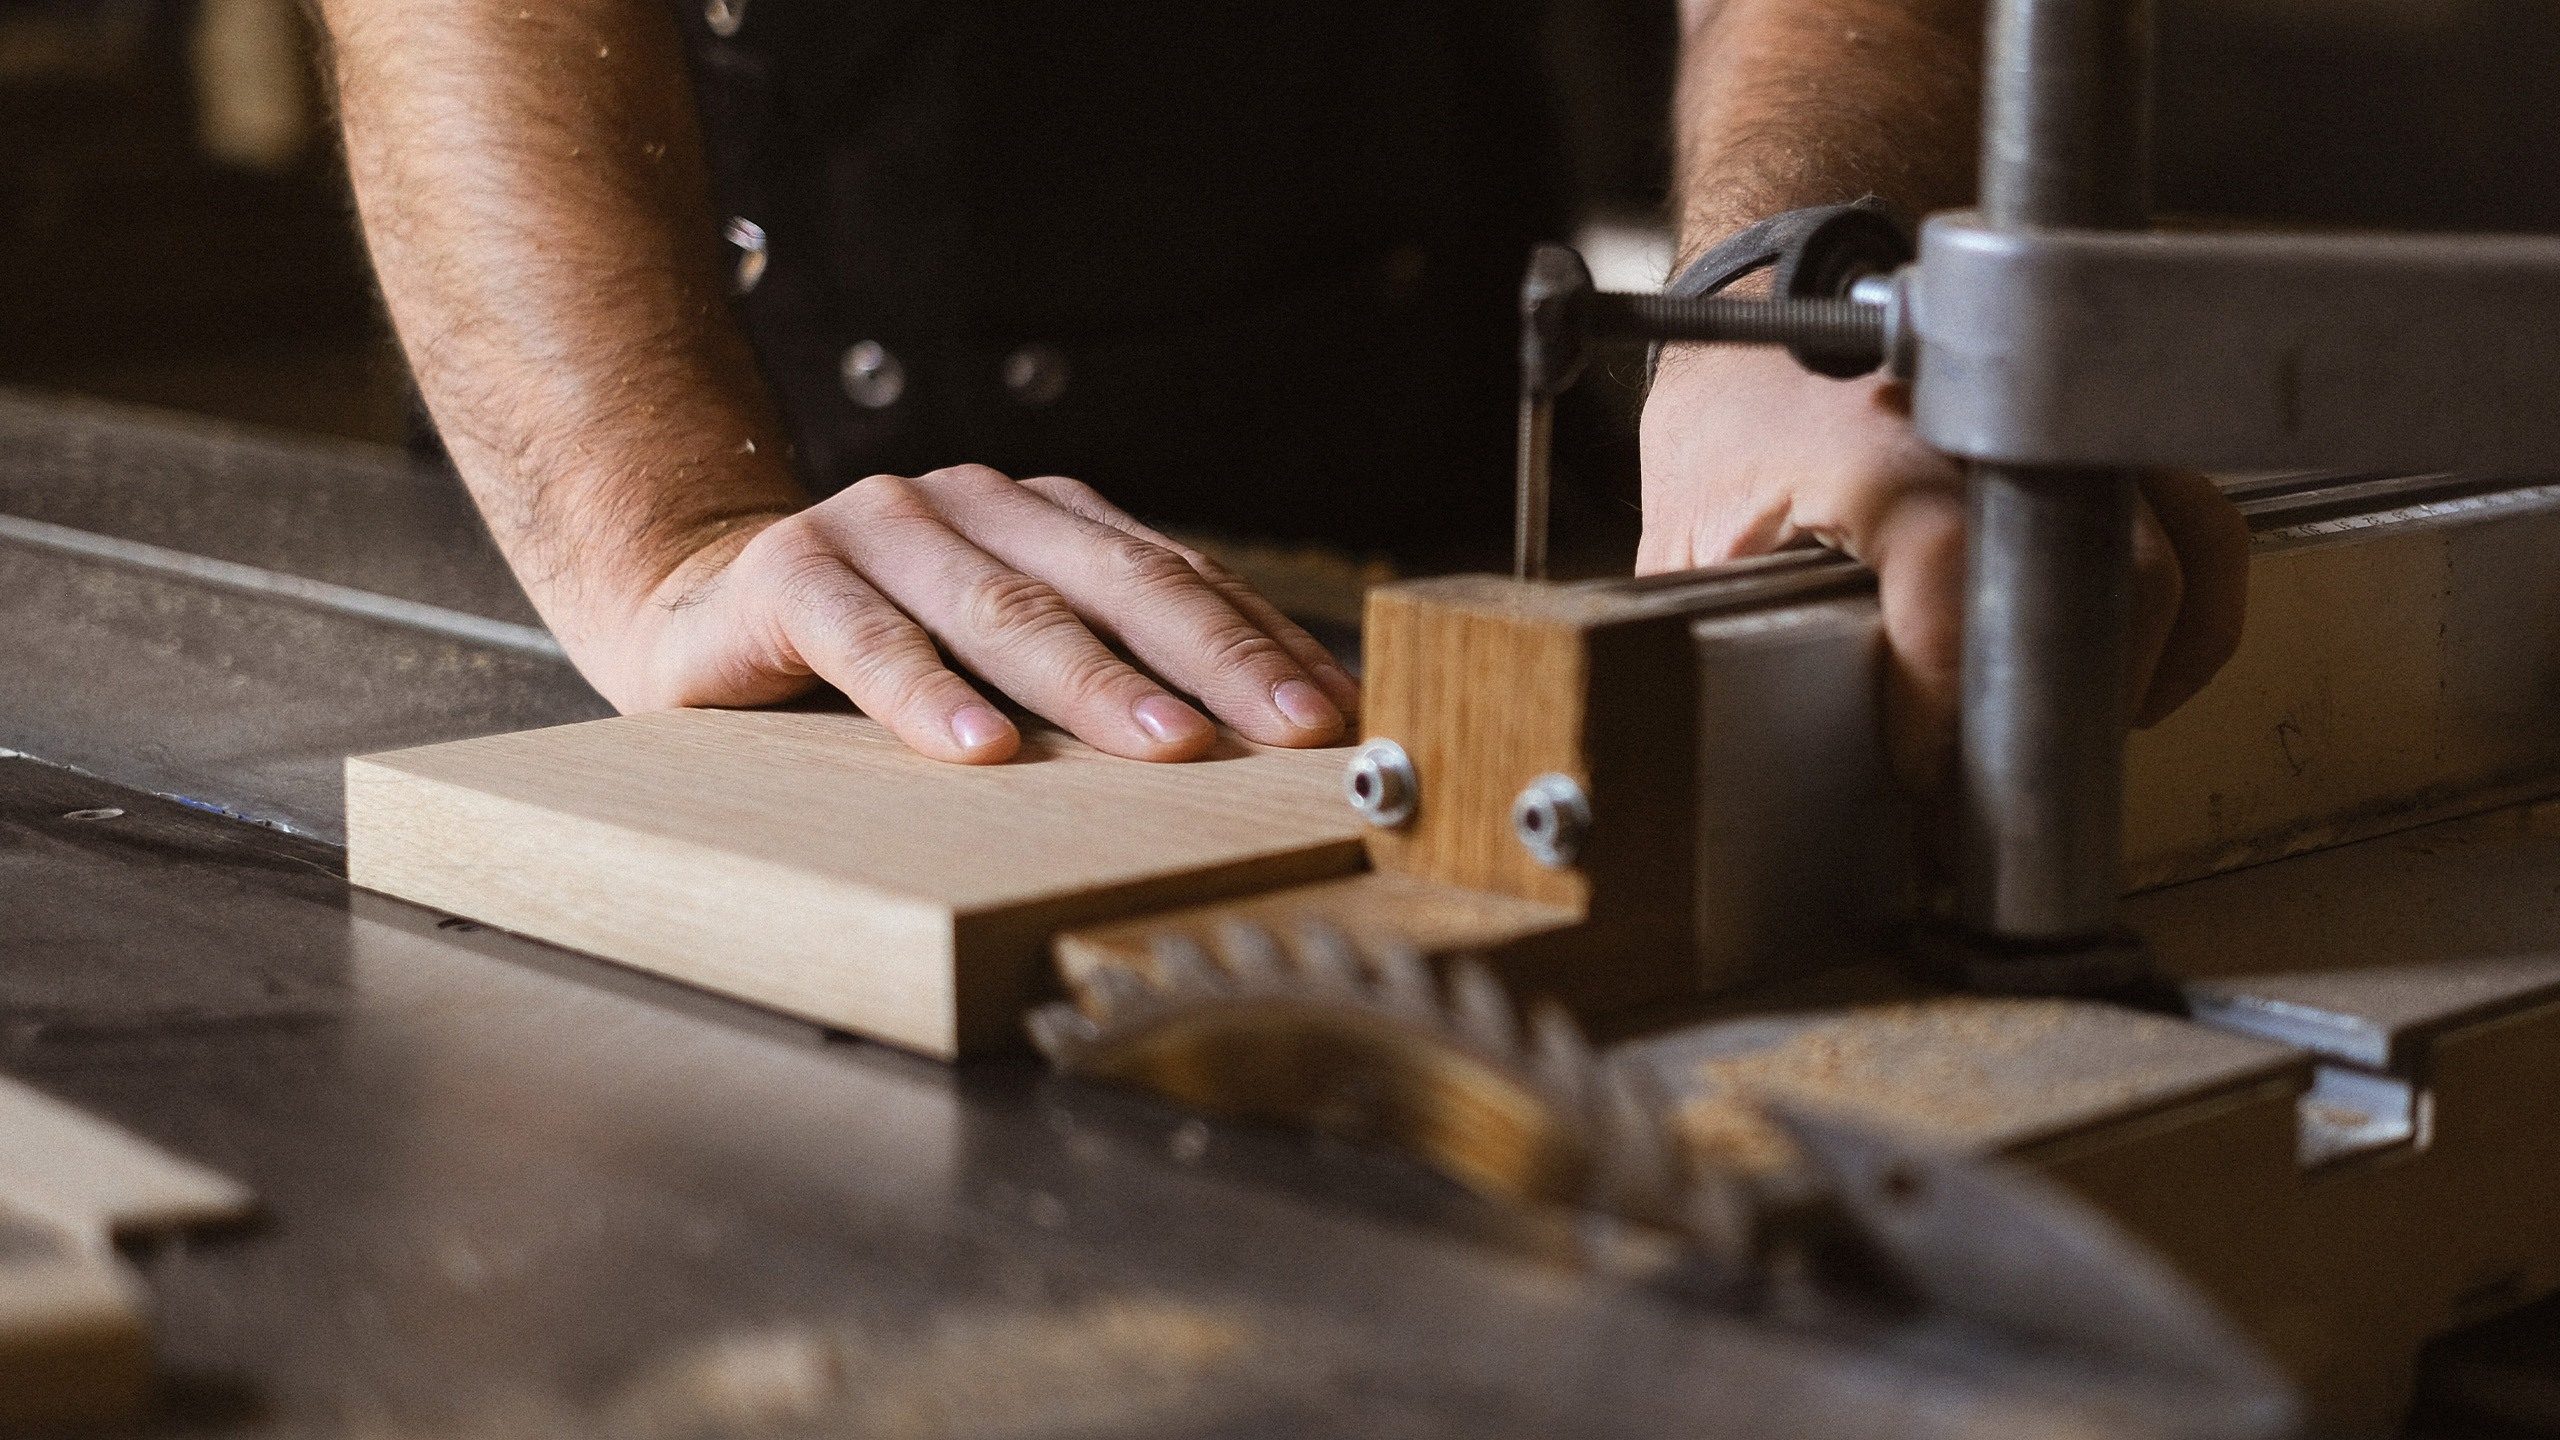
(1560,1057)
(1062,1032)
(1405,988)
(1330,963)
(1254,957)
(1718,1214)
(1183,965)
(1113,992)
(1636,1148)
(1480,1010)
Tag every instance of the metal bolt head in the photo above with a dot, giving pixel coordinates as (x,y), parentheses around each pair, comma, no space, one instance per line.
(1550,818)
(753,253)
(1381,785)
(873,378)
(1036,375)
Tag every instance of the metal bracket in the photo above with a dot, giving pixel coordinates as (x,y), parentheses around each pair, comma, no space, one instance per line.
(2072,348)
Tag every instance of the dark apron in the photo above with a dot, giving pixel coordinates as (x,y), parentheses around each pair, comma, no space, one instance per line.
(1249,267)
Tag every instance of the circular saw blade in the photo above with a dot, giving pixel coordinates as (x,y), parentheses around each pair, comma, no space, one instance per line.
(1315,1032)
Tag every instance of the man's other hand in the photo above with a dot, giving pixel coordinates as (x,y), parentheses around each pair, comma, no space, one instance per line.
(1037,587)
(1745,452)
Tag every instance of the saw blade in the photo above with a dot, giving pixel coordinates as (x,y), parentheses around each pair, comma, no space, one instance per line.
(1369,1043)
(1315,1032)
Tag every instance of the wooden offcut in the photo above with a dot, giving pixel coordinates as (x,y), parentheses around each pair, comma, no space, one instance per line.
(75,1343)
(808,862)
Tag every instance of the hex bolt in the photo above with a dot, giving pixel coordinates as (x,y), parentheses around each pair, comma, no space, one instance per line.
(1381,785)
(1550,818)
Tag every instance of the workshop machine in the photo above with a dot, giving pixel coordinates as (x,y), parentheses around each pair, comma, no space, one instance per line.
(1756,1132)
(1579,788)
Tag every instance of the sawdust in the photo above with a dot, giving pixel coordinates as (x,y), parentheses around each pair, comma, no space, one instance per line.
(1967,1073)
(1101,1367)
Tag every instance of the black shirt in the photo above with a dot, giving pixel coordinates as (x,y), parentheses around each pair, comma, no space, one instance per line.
(1245,266)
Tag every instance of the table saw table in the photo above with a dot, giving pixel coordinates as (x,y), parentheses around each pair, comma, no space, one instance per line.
(510,1191)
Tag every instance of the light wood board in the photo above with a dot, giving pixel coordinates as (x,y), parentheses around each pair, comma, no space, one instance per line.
(806,861)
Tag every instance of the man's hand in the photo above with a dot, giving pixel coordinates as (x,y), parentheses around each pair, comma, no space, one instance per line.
(1029,585)
(533,190)
(1745,452)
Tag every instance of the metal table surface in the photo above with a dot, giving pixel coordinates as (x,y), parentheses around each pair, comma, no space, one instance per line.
(508,1191)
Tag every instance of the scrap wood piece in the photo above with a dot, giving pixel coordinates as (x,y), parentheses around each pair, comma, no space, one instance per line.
(75,1345)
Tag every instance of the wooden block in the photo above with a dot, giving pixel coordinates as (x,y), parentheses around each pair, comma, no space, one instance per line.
(807,861)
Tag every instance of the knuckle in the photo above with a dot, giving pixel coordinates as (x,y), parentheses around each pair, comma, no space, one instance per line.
(1240,646)
(1149,571)
(967,478)
(1208,569)
(882,496)
(814,579)
(1013,604)
(1075,494)
(1091,680)
(879,638)
(900,688)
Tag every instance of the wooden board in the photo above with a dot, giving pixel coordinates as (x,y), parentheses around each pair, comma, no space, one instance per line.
(806,861)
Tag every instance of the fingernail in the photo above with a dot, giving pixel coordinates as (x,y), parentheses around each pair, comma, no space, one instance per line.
(1337,682)
(1168,719)
(1306,706)
(978,727)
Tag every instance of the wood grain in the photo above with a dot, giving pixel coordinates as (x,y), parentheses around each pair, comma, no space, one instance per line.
(806,861)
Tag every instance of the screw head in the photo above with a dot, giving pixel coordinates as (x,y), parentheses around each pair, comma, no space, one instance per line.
(754,253)
(873,378)
(1550,818)
(1036,375)
(1380,784)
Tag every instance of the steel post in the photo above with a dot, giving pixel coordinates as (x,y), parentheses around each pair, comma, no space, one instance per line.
(2049,552)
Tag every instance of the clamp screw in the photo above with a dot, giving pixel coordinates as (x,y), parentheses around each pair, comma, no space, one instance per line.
(1381,784)
(1550,818)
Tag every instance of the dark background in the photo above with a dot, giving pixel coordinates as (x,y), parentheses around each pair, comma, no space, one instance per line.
(174,230)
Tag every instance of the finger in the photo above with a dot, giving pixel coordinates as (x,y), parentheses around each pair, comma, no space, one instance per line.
(1148,599)
(1014,630)
(2212,542)
(1915,542)
(825,620)
(1309,652)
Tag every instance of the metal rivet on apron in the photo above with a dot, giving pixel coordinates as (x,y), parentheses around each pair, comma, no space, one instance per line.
(748,236)
(873,378)
(725,16)
(1036,374)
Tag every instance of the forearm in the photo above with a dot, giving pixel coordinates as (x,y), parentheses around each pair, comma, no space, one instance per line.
(533,191)
(1789,103)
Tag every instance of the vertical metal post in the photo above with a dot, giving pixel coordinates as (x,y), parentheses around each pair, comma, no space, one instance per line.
(2048,588)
